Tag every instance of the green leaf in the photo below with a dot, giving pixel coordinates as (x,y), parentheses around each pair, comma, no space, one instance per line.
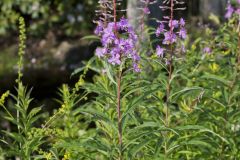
(99,115)
(90,37)
(109,72)
(33,112)
(137,147)
(137,100)
(175,95)
(198,143)
(216,78)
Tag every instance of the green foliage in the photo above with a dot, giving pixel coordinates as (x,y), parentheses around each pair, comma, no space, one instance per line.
(66,15)
(199,119)
(19,143)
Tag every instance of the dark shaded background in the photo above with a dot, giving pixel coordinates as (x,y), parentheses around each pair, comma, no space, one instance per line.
(54,45)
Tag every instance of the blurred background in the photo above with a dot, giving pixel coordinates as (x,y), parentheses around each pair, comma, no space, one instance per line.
(54,31)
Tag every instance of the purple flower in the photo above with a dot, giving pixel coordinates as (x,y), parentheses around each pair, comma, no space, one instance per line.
(123,24)
(115,58)
(160,29)
(207,50)
(183,33)
(182,22)
(167,62)
(135,56)
(99,28)
(146,10)
(173,24)
(136,67)
(100,52)
(238,1)
(230,11)
(183,49)
(169,38)
(160,51)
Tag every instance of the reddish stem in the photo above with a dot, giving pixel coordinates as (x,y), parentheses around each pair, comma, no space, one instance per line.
(119,112)
(239,49)
(169,75)
(170,63)
(119,78)
(115,14)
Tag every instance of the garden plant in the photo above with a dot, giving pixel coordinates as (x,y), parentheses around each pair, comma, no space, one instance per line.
(156,94)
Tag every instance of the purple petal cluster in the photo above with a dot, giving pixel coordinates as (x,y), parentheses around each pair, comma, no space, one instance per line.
(177,30)
(169,38)
(118,43)
(171,29)
(146,4)
(160,29)
(160,51)
(230,10)
(207,50)
(146,10)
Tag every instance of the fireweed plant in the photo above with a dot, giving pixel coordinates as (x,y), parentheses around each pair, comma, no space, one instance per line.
(119,41)
(173,31)
(136,137)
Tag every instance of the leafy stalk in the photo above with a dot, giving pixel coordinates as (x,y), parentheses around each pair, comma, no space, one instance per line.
(170,71)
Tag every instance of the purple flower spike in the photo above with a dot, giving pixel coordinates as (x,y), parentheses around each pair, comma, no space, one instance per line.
(118,41)
(160,51)
(173,31)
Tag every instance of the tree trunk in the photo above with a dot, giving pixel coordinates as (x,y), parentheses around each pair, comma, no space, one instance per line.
(217,7)
(134,13)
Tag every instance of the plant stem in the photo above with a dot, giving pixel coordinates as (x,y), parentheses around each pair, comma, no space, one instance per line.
(115,14)
(119,78)
(239,49)
(167,121)
(119,112)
